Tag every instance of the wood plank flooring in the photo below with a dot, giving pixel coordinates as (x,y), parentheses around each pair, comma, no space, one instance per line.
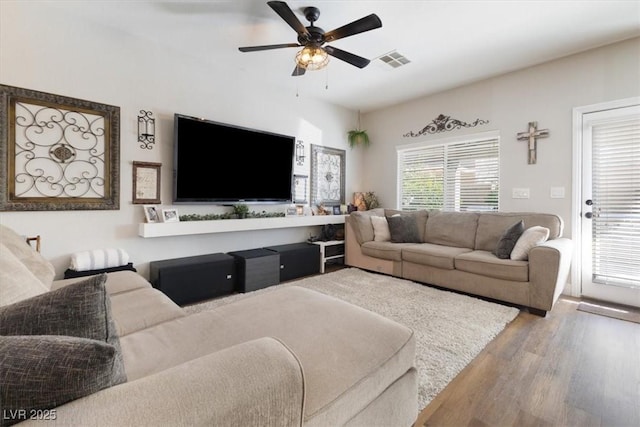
(569,369)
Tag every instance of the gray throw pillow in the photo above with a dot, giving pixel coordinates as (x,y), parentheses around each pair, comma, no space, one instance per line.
(82,310)
(403,229)
(41,372)
(508,240)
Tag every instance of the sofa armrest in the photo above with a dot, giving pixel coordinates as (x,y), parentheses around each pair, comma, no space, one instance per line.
(258,382)
(549,265)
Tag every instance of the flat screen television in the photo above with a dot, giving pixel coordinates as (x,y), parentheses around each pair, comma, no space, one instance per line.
(218,163)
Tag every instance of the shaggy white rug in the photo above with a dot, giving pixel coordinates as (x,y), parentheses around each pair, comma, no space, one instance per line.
(450,329)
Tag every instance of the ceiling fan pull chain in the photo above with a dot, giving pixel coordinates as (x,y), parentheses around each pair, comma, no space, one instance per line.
(326,84)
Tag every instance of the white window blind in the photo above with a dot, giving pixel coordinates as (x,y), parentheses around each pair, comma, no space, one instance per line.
(616,202)
(454,176)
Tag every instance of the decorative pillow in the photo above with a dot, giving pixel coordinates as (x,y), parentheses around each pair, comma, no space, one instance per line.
(508,240)
(41,372)
(380,229)
(17,282)
(403,229)
(33,260)
(532,236)
(82,310)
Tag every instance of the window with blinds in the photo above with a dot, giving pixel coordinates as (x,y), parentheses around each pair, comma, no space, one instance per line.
(616,202)
(451,176)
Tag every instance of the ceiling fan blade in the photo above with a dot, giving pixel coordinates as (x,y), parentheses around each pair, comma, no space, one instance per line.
(267,47)
(367,23)
(345,56)
(285,12)
(298,71)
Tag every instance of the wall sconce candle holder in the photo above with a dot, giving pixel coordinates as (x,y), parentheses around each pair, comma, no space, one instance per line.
(300,153)
(146,129)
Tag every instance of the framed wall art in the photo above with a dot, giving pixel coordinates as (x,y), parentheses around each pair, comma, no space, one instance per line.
(327,175)
(146,183)
(57,153)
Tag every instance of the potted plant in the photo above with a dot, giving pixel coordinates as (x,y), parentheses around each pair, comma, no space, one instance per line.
(358,136)
(241,210)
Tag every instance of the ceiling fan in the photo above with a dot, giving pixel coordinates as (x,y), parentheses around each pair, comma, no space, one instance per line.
(314,54)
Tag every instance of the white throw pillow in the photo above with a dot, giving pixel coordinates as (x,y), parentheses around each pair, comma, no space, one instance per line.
(532,236)
(380,229)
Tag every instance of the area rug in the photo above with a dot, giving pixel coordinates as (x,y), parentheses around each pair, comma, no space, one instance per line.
(450,329)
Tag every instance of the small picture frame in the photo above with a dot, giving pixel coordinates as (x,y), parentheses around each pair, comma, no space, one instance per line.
(291,211)
(336,210)
(151,213)
(170,215)
(146,182)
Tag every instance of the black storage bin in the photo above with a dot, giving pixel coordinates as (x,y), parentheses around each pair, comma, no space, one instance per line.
(193,279)
(256,269)
(297,260)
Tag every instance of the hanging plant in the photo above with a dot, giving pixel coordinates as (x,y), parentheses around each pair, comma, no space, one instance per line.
(358,136)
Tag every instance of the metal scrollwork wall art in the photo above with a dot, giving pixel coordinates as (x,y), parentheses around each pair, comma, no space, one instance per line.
(146,129)
(444,123)
(327,175)
(57,153)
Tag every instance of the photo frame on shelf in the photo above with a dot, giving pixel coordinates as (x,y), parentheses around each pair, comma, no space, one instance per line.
(327,175)
(146,182)
(170,215)
(57,152)
(300,189)
(151,213)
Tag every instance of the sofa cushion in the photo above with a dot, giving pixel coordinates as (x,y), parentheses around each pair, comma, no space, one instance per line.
(420,216)
(117,282)
(17,283)
(508,240)
(142,308)
(384,250)
(433,255)
(41,372)
(32,259)
(80,310)
(361,221)
(491,225)
(404,229)
(380,228)
(362,353)
(487,264)
(452,229)
(532,236)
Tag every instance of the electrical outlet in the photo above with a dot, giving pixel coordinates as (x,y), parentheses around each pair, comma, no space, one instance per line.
(520,193)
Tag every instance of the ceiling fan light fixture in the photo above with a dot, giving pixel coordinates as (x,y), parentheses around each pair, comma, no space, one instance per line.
(312,58)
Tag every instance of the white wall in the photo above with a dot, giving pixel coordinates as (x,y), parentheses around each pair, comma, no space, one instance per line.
(546,93)
(45,49)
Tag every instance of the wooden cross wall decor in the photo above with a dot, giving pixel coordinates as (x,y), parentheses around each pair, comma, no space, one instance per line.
(532,136)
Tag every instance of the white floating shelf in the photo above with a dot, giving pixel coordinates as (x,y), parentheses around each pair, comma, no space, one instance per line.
(184,228)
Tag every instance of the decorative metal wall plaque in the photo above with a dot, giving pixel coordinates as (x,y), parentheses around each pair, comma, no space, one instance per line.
(327,175)
(444,123)
(57,153)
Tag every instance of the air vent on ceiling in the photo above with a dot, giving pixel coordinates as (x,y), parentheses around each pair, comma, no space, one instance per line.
(394,59)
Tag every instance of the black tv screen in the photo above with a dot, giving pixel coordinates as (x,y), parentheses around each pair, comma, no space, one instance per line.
(217,163)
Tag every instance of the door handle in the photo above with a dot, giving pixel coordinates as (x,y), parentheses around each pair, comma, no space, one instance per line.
(588,215)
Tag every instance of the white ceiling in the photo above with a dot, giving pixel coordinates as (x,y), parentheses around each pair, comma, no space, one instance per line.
(449,43)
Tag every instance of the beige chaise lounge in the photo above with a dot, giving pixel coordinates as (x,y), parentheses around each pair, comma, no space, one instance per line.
(290,357)
(455,252)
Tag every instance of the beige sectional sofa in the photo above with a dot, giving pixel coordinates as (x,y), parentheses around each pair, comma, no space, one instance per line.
(455,251)
(289,357)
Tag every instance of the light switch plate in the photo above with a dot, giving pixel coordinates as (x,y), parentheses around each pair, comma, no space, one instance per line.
(557,193)
(520,193)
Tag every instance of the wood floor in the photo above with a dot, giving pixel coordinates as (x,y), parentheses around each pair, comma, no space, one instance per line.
(569,369)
